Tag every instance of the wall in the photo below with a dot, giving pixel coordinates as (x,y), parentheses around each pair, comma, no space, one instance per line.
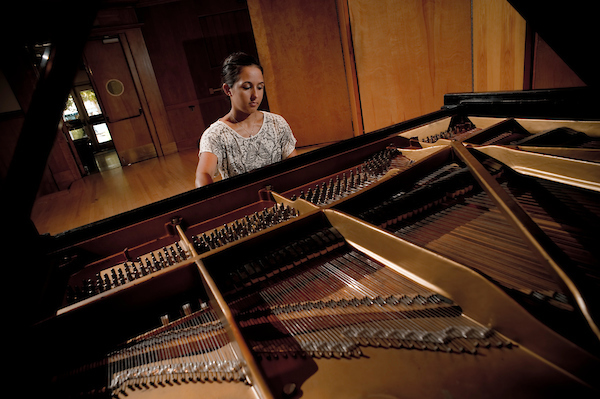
(408,55)
(499,34)
(298,43)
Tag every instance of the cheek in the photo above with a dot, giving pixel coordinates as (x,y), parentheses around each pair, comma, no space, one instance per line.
(240,96)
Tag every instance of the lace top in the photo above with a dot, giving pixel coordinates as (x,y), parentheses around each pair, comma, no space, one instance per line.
(236,154)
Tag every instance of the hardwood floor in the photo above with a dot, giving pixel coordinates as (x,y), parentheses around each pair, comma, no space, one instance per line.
(116,190)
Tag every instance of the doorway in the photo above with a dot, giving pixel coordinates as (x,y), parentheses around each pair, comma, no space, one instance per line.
(111,74)
(88,130)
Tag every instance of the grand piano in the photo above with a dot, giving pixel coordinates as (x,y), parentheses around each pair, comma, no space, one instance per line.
(451,255)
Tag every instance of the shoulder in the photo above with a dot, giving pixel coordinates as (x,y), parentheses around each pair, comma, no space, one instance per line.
(215,128)
(217,132)
(278,123)
(275,118)
(214,138)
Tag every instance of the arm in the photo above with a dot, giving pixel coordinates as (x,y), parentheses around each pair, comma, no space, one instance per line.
(292,154)
(288,141)
(207,167)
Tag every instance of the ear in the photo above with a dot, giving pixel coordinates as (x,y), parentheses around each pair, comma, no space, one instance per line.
(226,89)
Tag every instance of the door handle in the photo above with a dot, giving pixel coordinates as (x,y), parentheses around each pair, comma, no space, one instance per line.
(124,119)
(213,91)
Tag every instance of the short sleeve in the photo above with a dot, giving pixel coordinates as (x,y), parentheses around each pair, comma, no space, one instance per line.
(210,142)
(287,140)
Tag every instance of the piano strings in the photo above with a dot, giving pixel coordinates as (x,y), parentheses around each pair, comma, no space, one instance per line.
(195,348)
(474,232)
(571,224)
(339,300)
(448,213)
(329,302)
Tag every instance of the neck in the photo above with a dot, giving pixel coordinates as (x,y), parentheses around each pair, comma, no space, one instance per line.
(243,123)
(239,116)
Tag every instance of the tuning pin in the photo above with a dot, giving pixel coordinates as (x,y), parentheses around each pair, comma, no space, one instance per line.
(174,258)
(121,277)
(181,252)
(164,320)
(99,283)
(162,263)
(136,272)
(128,272)
(187,309)
(114,279)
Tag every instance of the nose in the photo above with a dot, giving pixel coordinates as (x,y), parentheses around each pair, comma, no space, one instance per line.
(253,94)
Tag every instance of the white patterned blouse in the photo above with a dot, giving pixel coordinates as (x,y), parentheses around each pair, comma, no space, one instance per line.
(236,154)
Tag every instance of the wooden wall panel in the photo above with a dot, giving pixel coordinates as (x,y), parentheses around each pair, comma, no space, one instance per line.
(166,29)
(549,70)
(350,66)
(408,55)
(299,45)
(180,51)
(154,107)
(498,45)
(61,168)
(186,121)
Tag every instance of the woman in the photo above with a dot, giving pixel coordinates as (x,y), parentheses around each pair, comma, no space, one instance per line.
(245,138)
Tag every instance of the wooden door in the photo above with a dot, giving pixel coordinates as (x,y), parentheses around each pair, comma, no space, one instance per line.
(111,76)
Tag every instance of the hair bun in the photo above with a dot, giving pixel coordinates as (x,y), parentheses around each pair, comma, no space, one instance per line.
(233,64)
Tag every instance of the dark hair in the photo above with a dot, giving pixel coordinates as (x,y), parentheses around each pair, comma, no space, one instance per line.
(233,65)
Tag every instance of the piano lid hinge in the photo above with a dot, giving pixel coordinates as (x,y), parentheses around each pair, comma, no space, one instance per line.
(265,193)
(171,226)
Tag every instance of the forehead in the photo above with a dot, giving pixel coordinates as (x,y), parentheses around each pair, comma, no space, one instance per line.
(250,74)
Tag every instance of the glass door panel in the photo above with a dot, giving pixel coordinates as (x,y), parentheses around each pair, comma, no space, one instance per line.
(78,134)
(90,102)
(71,112)
(102,133)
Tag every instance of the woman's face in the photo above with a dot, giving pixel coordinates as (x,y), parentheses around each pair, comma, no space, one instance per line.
(247,93)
